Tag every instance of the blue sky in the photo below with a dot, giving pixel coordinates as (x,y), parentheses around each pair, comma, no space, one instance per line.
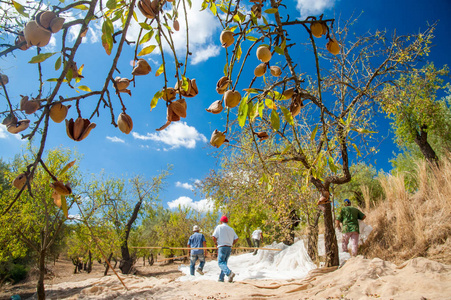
(184,144)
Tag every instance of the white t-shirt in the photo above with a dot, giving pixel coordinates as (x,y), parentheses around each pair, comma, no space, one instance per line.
(225,235)
(256,234)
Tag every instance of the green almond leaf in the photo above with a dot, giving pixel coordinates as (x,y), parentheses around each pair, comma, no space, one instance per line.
(251,38)
(111,4)
(226,68)
(271,11)
(287,115)
(242,111)
(159,71)
(108,26)
(265,21)
(287,148)
(52,80)
(147,50)
(224,10)
(261,106)
(20,9)
(238,52)
(107,43)
(145,26)
(275,120)
(332,165)
(40,57)
(279,50)
(213,8)
(84,88)
(270,104)
(185,83)
(312,136)
(284,44)
(81,7)
(64,206)
(155,98)
(204,5)
(190,4)
(66,167)
(146,37)
(69,75)
(58,64)
(236,18)
(356,149)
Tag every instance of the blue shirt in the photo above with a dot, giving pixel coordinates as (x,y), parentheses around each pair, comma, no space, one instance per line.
(225,235)
(196,241)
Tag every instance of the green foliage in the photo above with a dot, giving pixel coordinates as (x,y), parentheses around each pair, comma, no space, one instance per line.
(34,222)
(412,105)
(363,175)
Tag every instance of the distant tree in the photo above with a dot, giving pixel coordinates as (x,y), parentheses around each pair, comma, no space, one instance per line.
(417,115)
(36,222)
(363,175)
(117,203)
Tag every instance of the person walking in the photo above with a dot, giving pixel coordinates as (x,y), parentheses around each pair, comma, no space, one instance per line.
(224,237)
(197,240)
(349,217)
(257,236)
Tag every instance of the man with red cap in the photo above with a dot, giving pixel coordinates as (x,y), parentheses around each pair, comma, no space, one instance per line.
(224,237)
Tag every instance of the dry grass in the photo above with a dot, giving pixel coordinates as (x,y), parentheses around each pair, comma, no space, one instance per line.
(410,225)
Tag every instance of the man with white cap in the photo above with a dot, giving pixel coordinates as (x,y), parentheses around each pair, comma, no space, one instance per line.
(197,240)
(224,237)
(256,239)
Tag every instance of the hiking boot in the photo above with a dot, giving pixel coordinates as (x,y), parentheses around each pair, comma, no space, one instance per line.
(231,276)
(200,271)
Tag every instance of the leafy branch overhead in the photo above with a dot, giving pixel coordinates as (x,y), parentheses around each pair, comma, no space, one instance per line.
(313,115)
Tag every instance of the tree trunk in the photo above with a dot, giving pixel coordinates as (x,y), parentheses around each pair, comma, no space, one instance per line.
(89,268)
(421,140)
(330,239)
(312,238)
(126,263)
(40,285)
(107,265)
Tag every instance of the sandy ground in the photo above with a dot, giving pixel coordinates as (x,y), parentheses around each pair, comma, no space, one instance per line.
(358,278)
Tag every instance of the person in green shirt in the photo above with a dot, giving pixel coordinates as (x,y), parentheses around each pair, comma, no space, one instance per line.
(349,217)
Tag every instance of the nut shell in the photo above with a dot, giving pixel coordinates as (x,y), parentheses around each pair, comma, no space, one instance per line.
(264,54)
(18,127)
(226,38)
(125,123)
(217,138)
(215,107)
(79,129)
(20,181)
(232,99)
(223,84)
(56,24)
(58,112)
(36,35)
(61,188)
(275,71)
(260,70)
(142,68)
(333,46)
(317,29)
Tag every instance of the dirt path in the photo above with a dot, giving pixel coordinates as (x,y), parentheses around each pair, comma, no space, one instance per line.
(63,271)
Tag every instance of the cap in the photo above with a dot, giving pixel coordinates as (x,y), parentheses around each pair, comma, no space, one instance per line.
(224,219)
(347,201)
(196,228)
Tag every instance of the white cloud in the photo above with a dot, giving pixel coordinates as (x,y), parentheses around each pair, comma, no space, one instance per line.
(177,135)
(313,7)
(204,205)
(184,185)
(3,132)
(205,53)
(115,139)
(203,33)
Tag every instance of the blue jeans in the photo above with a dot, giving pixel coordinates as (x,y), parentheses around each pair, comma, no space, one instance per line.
(223,257)
(194,258)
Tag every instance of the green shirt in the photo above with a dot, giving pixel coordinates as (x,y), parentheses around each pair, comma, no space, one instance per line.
(350,217)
